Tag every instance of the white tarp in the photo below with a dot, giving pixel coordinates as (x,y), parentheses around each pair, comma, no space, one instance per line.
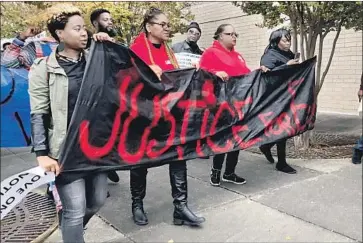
(16,187)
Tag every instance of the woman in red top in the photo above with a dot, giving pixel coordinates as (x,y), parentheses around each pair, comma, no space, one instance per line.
(222,60)
(151,47)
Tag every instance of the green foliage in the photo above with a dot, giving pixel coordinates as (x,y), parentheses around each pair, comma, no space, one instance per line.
(322,16)
(127,16)
(14,16)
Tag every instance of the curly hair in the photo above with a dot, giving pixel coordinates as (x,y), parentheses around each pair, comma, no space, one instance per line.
(58,20)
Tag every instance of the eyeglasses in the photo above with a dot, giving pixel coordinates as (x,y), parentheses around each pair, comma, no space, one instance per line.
(232,34)
(163,24)
(194,32)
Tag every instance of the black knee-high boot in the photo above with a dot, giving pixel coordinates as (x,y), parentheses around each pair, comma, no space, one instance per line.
(179,191)
(138,192)
(266,150)
(281,154)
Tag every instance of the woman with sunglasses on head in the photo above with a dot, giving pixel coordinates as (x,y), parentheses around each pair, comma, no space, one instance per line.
(152,48)
(222,60)
(277,54)
(54,84)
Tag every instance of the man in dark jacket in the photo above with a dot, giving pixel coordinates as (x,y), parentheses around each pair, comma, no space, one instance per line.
(101,19)
(190,44)
(358,149)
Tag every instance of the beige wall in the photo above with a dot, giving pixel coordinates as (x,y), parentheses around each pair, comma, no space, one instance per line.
(339,92)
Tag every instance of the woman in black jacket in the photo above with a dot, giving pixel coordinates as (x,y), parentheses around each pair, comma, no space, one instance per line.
(277,54)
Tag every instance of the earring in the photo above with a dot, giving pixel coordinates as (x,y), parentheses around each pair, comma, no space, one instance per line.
(60,46)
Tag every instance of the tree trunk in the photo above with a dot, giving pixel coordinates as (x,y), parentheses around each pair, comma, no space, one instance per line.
(294,37)
(303,141)
(330,58)
(318,65)
(302,49)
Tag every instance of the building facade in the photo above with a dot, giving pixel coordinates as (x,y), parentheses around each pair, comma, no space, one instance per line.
(340,88)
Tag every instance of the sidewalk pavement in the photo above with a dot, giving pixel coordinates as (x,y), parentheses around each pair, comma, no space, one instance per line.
(321,203)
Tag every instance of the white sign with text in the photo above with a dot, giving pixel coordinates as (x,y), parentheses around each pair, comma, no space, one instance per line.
(187,60)
(16,187)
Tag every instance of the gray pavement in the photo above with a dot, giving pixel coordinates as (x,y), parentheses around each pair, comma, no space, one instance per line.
(338,124)
(322,203)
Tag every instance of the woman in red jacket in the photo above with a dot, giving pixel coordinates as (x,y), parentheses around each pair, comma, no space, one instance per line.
(151,47)
(222,60)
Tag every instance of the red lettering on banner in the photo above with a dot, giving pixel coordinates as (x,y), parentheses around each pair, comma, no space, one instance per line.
(93,152)
(203,130)
(292,85)
(209,99)
(134,112)
(229,144)
(240,104)
(179,150)
(283,123)
(294,109)
(242,144)
(168,117)
(267,121)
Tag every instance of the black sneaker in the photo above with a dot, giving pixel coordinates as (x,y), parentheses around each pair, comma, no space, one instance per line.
(233,178)
(215,177)
(283,167)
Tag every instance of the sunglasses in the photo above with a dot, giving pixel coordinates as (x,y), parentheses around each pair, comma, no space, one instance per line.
(194,32)
(163,24)
(232,34)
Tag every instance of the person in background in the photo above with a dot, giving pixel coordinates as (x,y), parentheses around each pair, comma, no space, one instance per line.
(358,149)
(190,45)
(152,48)
(277,54)
(222,60)
(19,55)
(101,19)
(58,78)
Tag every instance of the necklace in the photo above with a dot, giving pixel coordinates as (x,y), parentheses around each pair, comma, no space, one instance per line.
(69,59)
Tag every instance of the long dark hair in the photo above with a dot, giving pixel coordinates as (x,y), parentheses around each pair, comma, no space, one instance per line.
(149,16)
(220,29)
(275,38)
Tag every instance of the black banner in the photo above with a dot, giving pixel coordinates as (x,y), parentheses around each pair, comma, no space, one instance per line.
(126,117)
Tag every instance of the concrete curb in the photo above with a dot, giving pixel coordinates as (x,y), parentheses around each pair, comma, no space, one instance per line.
(41,238)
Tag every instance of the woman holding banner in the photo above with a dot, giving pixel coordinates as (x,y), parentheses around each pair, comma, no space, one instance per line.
(222,60)
(151,47)
(54,84)
(277,54)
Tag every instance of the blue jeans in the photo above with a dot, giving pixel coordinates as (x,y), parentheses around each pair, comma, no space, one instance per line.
(359,144)
(81,199)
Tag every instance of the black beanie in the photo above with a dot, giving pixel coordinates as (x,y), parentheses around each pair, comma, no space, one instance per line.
(194,25)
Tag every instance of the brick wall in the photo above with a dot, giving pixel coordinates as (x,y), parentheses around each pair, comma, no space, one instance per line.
(339,92)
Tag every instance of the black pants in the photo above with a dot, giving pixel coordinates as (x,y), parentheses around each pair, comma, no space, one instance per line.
(281,150)
(231,161)
(178,182)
